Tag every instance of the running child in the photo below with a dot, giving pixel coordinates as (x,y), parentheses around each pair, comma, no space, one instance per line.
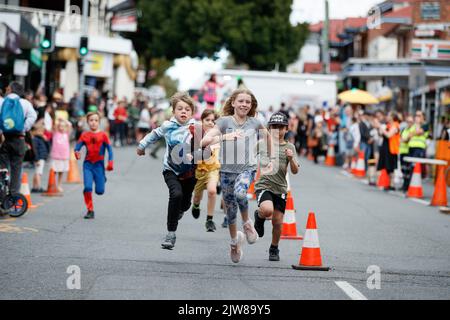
(96,142)
(272,187)
(237,132)
(60,151)
(207,175)
(179,169)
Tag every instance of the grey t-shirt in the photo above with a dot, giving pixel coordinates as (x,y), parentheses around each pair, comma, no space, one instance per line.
(274,181)
(239,155)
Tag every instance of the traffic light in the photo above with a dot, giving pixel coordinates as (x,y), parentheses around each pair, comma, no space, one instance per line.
(83,50)
(48,41)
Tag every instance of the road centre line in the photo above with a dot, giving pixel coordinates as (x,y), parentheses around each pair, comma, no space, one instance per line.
(350,291)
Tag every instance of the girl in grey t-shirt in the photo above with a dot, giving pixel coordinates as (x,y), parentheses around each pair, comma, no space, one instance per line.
(238,132)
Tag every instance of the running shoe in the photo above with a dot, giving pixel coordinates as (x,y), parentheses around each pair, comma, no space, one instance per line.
(89,215)
(169,241)
(236,249)
(195,212)
(250,232)
(259,224)
(225,222)
(274,254)
(210,226)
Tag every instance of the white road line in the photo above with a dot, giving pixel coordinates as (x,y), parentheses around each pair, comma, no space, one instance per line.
(350,291)
(426,203)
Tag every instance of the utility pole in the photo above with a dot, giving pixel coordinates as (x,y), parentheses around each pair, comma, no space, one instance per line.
(326,40)
(84,32)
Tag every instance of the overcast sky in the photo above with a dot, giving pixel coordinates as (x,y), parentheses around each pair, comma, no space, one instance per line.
(190,72)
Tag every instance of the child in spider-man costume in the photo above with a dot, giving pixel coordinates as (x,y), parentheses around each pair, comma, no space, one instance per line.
(96,142)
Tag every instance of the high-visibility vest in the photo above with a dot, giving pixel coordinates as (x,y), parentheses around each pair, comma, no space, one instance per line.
(418,141)
(404,146)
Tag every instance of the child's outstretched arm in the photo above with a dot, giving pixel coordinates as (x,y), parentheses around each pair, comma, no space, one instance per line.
(78,147)
(108,147)
(151,138)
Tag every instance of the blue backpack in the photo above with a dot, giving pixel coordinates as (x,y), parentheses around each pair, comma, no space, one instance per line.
(12,118)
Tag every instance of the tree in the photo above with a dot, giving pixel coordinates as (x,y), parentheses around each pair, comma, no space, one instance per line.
(257,33)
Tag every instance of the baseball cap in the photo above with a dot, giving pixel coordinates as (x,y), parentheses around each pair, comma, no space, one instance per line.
(278,118)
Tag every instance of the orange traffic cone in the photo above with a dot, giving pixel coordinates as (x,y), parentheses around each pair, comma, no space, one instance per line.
(289,228)
(330,160)
(440,189)
(415,186)
(73,176)
(25,190)
(353,165)
(52,191)
(360,170)
(310,257)
(384,181)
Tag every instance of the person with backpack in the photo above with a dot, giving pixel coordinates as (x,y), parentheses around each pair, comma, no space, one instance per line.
(17,116)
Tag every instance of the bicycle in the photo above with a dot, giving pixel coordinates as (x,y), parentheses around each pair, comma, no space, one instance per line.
(16,205)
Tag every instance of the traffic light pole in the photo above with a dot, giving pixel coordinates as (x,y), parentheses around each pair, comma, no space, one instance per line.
(82,58)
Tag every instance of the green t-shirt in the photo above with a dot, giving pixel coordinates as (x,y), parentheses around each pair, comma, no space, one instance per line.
(274,181)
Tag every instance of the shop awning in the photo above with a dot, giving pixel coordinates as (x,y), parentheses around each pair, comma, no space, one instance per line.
(9,40)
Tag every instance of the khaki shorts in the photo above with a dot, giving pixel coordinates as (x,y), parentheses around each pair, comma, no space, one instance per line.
(203,178)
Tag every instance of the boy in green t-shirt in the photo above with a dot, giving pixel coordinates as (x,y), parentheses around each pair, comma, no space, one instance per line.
(272,187)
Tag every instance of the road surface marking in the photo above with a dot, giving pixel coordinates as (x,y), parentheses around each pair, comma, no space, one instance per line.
(350,291)
(426,203)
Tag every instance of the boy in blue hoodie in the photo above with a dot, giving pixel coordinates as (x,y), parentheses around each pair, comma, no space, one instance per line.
(179,168)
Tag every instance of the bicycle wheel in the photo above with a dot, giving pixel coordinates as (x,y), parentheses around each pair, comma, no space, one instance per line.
(17,205)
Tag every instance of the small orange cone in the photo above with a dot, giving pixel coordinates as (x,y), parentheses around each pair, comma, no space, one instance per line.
(330,160)
(415,186)
(384,181)
(52,191)
(353,165)
(25,190)
(360,170)
(310,257)
(440,189)
(73,176)
(289,228)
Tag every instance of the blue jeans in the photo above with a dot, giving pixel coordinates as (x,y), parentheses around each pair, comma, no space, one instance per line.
(367,149)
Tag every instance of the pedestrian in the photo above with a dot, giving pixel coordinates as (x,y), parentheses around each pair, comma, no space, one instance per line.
(17,116)
(42,149)
(366,144)
(404,151)
(96,143)
(207,174)
(60,151)
(272,187)
(144,123)
(179,169)
(120,124)
(237,132)
(209,91)
(391,145)
(319,137)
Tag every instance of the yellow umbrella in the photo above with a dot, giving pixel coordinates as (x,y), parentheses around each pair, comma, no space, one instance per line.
(358,96)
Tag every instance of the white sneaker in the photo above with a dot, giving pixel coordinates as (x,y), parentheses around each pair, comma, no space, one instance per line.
(250,232)
(236,249)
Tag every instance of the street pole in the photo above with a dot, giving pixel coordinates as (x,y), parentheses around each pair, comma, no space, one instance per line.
(326,40)
(84,32)
(44,73)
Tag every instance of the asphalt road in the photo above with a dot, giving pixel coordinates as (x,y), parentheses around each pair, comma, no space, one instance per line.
(119,254)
